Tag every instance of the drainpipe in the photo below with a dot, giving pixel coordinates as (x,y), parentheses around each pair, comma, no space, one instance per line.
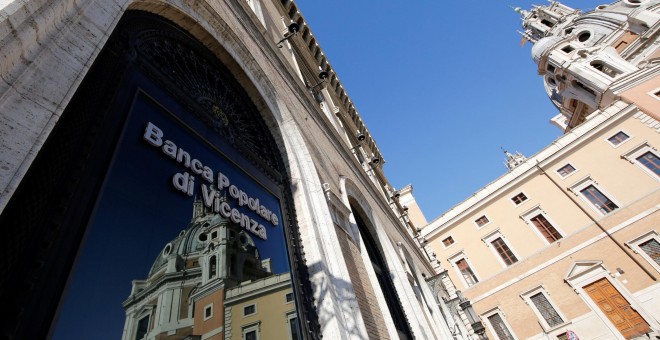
(623,249)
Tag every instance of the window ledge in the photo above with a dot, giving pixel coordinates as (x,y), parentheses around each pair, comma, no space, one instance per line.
(548,330)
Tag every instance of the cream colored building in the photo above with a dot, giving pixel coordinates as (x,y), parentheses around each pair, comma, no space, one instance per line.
(264,307)
(569,239)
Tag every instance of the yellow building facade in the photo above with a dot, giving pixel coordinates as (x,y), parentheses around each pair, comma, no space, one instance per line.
(567,242)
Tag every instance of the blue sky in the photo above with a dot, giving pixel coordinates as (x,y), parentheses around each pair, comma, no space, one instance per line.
(441,86)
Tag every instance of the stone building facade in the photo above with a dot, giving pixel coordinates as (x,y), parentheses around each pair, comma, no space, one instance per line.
(117,114)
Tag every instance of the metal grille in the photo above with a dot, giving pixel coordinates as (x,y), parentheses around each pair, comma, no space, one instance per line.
(548,312)
(652,249)
(500,328)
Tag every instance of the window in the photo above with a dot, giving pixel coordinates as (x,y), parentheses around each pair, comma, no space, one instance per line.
(566,170)
(646,157)
(650,161)
(598,199)
(249,310)
(519,198)
(584,36)
(542,225)
(545,310)
(550,68)
(498,325)
(463,269)
(288,297)
(481,221)
(618,138)
(250,335)
(466,272)
(496,242)
(294,334)
(142,328)
(212,267)
(380,268)
(504,251)
(251,332)
(589,190)
(648,247)
(546,229)
(652,249)
(604,68)
(655,94)
(208,312)
(568,49)
(448,241)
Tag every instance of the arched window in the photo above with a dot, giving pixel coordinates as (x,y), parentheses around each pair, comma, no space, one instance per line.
(605,68)
(382,273)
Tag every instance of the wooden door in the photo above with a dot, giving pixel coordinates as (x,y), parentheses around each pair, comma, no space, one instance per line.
(617,309)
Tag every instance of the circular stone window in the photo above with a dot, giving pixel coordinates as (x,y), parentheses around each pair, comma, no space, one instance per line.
(202,237)
(584,36)
(601,7)
(167,250)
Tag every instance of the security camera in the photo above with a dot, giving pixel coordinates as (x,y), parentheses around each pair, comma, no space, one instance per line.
(293,28)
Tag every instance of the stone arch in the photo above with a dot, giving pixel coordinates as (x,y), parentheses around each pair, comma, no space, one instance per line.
(369,235)
(273,117)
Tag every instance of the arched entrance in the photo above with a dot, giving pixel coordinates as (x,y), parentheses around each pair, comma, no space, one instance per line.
(158,125)
(382,273)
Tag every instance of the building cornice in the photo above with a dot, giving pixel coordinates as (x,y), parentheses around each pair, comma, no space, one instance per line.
(562,145)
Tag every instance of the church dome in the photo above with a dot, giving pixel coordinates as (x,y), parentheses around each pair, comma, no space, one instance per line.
(543,45)
(193,239)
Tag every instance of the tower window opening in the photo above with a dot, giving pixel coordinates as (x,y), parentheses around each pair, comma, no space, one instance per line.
(569,30)
(604,68)
(548,23)
(213,267)
(584,87)
(568,49)
(142,328)
(550,68)
(584,36)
